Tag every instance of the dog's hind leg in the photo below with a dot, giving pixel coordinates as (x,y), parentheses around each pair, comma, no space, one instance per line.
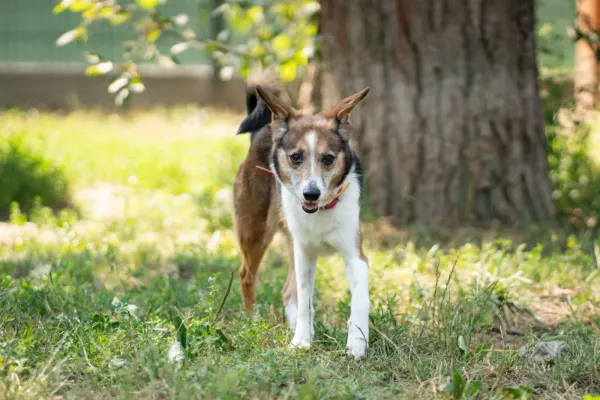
(253,251)
(256,220)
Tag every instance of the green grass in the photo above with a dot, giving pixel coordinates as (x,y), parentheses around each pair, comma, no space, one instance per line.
(92,302)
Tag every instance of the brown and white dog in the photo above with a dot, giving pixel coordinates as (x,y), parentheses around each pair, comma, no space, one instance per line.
(302,168)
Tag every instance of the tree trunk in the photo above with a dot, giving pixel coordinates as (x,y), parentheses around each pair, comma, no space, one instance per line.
(452,132)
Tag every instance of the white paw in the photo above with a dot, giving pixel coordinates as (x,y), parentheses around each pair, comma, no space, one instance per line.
(300,342)
(357,349)
(356,346)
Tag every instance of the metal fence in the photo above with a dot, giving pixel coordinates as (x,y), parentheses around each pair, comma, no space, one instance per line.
(28,31)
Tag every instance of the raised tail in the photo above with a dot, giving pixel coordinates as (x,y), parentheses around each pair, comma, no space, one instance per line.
(259,114)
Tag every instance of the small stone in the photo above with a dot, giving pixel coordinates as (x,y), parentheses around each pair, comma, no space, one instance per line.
(548,351)
(175,353)
(545,351)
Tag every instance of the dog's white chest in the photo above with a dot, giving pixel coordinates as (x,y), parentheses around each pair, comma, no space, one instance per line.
(326,230)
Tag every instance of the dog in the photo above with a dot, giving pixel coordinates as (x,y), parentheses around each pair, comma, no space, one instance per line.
(302,177)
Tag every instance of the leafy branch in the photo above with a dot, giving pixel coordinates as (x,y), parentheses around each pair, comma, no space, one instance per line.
(257,34)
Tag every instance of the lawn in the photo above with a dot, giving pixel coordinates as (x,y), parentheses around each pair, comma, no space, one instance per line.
(126,294)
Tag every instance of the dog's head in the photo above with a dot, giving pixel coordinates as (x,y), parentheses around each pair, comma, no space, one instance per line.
(311,154)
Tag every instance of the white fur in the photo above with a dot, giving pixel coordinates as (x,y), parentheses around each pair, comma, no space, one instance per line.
(291,311)
(320,234)
(311,139)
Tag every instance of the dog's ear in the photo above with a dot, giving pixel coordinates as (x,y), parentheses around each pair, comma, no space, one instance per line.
(279,108)
(341,110)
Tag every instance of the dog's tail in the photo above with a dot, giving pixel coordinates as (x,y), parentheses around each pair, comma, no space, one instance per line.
(259,114)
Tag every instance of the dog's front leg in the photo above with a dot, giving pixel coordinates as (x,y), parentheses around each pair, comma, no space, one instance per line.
(305,278)
(357,272)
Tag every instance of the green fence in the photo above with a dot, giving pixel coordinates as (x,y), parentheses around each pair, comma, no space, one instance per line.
(28,30)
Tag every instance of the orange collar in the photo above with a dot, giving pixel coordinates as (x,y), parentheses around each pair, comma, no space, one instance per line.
(334,199)
(263,169)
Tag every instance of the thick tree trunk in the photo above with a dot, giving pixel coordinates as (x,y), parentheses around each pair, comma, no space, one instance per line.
(452,132)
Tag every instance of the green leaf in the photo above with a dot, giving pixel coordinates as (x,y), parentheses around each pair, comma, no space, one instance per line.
(70,36)
(188,34)
(307,391)
(118,84)
(179,47)
(281,43)
(123,97)
(223,36)
(166,61)
(79,5)
(154,35)
(455,386)
(148,4)
(119,18)
(61,6)
(255,14)
(181,331)
(180,19)
(92,58)
(99,69)
(288,72)
(257,51)
(136,85)
(513,392)
(473,389)
(461,344)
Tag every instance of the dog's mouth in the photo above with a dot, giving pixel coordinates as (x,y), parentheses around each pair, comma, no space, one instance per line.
(310,206)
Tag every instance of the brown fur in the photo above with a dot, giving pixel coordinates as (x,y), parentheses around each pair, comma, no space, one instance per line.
(360,248)
(256,212)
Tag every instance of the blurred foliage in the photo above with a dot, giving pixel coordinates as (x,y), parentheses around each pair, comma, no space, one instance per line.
(282,35)
(29,177)
(574,172)
(575,177)
(257,34)
(554,19)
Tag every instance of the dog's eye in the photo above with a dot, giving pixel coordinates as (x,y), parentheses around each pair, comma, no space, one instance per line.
(296,158)
(328,159)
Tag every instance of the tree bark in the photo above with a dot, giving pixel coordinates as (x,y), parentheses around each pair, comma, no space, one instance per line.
(452,132)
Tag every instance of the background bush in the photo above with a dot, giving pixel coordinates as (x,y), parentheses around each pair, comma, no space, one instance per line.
(28,175)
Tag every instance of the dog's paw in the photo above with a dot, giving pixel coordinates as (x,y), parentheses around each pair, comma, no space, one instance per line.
(356,346)
(299,342)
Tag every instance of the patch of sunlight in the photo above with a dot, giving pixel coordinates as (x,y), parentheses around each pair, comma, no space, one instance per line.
(594,141)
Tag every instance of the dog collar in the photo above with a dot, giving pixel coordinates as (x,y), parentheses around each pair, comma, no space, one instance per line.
(334,198)
(263,169)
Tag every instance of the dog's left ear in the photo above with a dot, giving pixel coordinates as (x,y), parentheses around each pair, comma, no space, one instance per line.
(279,108)
(341,110)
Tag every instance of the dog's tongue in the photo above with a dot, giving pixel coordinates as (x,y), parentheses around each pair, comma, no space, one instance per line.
(310,206)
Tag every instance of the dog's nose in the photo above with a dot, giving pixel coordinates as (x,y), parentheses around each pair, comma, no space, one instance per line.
(311,192)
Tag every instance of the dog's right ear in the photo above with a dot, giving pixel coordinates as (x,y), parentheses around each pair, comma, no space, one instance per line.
(279,109)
